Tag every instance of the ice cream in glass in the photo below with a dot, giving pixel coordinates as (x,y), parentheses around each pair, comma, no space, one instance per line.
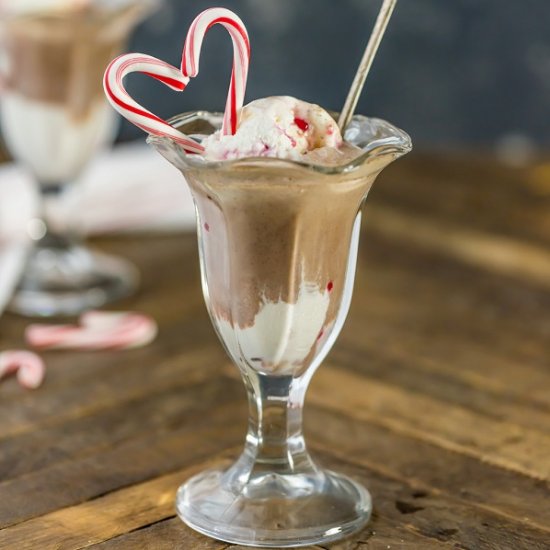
(278,192)
(54,119)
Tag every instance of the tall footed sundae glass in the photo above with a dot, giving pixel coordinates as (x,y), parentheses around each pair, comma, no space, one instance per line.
(278,193)
(278,243)
(54,118)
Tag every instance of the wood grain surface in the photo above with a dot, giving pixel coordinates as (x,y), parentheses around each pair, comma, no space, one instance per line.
(436,396)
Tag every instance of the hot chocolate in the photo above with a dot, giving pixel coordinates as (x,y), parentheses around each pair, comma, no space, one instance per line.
(275,230)
(52,108)
(275,243)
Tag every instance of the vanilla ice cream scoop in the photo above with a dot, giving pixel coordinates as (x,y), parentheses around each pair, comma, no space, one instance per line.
(281,126)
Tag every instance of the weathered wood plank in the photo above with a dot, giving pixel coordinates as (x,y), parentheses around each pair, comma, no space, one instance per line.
(429,468)
(459,331)
(491,370)
(437,518)
(176,338)
(446,382)
(72,482)
(100,430)
(498,442)
(502,255)
(101,518)
(470,190)
(172,534)
(439,297)
(169,534)
(111,382)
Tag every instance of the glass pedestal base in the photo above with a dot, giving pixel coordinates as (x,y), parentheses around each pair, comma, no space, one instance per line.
(273,510)
(62,279)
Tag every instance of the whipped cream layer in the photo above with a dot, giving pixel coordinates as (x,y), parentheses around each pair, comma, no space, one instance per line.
(283,334)
(281,127)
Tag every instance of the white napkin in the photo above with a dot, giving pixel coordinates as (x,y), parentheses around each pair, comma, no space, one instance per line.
(131,188)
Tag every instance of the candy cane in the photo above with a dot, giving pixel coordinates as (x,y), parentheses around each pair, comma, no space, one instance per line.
(131,109)
(29,367)
(97,331)
(178,79)
(241,58)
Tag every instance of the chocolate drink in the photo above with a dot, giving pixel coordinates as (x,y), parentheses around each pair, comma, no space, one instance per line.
(53,111)
(278,248)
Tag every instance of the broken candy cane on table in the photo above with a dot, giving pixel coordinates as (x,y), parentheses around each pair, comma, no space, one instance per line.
(97,330)
(28,367)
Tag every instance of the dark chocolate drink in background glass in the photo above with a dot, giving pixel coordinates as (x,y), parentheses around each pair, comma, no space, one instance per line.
(54,119)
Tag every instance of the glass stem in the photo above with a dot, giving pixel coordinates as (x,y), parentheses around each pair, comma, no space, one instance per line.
(49,228)
(275,440)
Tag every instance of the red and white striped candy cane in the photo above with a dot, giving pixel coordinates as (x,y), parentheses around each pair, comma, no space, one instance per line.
(131,109)
(97,330)
(177,79)
(29,367)
(241,58)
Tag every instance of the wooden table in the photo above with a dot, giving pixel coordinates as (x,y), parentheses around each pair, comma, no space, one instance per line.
(436,395)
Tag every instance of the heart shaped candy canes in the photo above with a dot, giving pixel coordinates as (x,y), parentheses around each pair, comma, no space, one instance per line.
(177,79)
(131,109)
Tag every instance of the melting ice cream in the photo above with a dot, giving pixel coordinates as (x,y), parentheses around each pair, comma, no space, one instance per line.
(282,127)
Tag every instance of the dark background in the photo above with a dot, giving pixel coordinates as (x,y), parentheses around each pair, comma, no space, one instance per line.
(467,73)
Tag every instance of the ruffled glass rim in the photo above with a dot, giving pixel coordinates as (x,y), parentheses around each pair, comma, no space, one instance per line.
(376,137)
